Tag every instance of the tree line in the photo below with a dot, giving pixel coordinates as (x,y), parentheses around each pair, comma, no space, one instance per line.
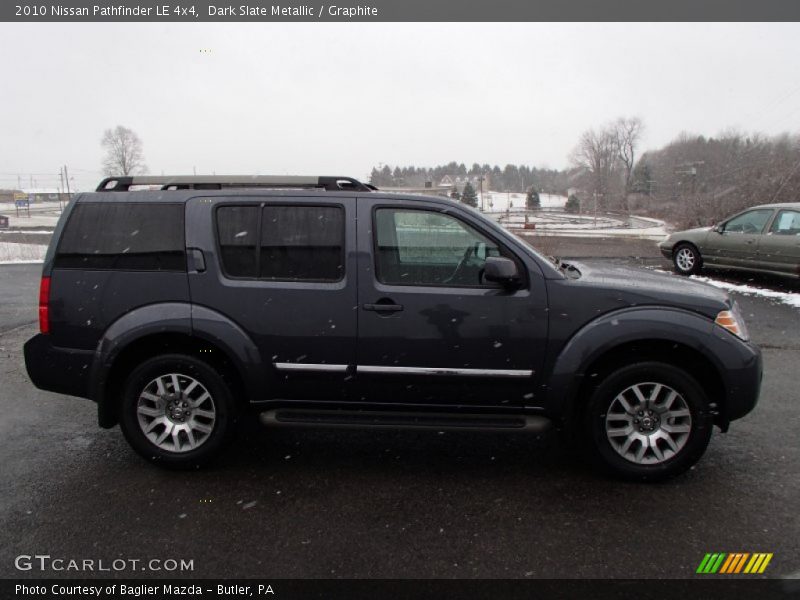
(511,178)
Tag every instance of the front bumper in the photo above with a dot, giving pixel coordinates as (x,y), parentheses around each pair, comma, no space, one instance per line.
(742,383)
(666,249)
(55,369)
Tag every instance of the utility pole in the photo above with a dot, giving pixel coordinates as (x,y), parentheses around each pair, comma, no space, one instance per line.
(66,178)
(61,178)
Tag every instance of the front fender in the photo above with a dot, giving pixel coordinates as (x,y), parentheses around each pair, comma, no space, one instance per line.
(738,363)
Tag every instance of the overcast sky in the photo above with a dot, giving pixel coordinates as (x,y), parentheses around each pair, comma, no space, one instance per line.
(340,98)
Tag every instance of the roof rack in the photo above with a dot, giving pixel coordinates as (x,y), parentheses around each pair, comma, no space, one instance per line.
(218,182)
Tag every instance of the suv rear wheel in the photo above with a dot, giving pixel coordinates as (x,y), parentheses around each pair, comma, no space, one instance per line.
(177,411)
(648,421)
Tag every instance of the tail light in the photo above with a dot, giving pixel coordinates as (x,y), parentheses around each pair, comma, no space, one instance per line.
(44,305)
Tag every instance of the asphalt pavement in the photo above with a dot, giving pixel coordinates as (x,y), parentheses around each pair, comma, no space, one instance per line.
(389,504)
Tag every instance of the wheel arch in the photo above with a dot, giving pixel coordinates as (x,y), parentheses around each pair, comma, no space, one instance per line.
(673,336)
(148,346)
(171,328)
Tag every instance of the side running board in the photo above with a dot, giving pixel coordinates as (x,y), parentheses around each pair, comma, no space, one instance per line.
(415,420)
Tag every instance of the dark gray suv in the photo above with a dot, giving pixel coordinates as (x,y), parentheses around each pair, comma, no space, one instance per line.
(322,301)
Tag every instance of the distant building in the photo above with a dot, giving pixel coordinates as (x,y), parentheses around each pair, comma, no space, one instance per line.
(459,181)
(45,194)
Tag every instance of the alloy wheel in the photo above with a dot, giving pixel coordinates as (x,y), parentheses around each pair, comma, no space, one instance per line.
(648,423)
(176,412)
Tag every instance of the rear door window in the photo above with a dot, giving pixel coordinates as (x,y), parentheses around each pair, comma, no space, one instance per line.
(786,223)
(282,243)
(302,243)
(238,239)
(124,236)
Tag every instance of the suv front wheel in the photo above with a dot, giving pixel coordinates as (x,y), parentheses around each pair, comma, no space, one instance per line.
(176,411)
(648,421)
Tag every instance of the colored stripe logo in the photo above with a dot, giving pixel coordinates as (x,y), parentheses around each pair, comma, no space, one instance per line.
(734,563)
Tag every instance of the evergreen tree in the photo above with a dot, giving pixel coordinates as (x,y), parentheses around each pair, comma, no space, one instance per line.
(573,205)
(374,177)
(532,201)
(468,196)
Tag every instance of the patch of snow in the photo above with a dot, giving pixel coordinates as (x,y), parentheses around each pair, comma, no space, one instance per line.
(790,298)
(500,201)
(11,253)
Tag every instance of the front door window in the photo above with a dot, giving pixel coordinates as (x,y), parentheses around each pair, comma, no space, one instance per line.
(751,222)
(425,248)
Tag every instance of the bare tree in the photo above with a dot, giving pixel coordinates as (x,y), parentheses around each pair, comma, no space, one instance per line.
(123,150)
(597,154)
(627,132)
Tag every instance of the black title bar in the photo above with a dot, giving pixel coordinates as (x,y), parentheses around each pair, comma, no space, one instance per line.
(403,11)
(712,587)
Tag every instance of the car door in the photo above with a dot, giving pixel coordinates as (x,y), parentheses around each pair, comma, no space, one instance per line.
(277,267)
(431,331)
(779,248)
(735,242)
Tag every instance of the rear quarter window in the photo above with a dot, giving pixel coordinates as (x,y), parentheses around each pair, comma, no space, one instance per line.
(123,236)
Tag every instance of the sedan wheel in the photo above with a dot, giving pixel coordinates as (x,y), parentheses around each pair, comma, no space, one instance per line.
(686,259)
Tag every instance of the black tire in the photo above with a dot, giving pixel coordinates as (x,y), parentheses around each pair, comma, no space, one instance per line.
(220,404)
(686,259)
(604,402)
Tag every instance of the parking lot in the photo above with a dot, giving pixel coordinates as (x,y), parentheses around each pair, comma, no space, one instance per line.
(384,504)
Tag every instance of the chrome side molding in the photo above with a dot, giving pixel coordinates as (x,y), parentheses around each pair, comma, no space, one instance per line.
(311,367)
(446,371)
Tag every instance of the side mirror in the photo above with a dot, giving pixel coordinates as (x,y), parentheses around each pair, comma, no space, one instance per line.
(499,269)
(718,228)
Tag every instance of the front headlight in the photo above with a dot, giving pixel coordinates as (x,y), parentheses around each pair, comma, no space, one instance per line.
(732,321)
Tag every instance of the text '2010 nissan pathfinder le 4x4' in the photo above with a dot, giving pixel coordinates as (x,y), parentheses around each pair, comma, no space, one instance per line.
(324,301)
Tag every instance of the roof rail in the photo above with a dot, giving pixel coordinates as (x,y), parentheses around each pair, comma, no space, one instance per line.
(218,182)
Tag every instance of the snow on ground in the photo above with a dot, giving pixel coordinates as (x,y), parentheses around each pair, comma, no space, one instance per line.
(11,253)
(790,298)
(509,209)
(500,201)
(42,214)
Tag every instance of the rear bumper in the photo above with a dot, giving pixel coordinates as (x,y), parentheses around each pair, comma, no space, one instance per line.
(60,370)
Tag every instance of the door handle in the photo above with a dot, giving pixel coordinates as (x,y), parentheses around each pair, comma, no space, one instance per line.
(380,307)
